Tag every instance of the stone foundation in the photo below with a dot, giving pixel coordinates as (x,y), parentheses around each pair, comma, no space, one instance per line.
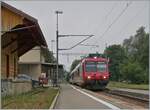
(9,87)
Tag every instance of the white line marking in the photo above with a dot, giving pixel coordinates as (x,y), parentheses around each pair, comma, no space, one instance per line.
(98,100)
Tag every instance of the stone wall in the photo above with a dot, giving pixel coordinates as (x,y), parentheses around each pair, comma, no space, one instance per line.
(9,87)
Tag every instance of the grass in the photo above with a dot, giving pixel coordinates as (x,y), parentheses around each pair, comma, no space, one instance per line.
(113,84)
(39,98)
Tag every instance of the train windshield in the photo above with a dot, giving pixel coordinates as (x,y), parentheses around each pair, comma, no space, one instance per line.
(101,66)
(90,67)
(95,66)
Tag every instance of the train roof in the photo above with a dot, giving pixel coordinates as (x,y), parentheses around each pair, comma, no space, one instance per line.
(95,59)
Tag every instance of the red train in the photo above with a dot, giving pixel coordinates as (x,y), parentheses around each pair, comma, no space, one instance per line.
(91,72)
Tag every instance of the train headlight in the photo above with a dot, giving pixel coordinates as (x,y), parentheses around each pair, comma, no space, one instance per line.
(104,77)
(89,77)
(95,57)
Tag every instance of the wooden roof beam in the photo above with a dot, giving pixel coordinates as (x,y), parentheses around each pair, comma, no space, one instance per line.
(9,43)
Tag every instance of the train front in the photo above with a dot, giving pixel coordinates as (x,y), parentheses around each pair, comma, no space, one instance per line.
(96,74)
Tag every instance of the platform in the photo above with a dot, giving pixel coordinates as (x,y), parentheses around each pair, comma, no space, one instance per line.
(70,98)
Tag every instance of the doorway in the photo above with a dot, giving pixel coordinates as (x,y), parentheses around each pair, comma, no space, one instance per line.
(7,66)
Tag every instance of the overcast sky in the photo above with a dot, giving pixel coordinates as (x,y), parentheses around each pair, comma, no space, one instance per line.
(87,17)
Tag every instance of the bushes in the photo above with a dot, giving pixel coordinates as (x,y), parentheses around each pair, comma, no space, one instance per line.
(130,62)
(132,72)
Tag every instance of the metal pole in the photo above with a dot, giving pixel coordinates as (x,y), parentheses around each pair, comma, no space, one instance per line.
(57,58)
(57,35)
(57,50)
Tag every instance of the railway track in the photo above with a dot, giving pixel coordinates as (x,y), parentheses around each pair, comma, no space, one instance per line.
(128,97)
(120,99)
(134,96)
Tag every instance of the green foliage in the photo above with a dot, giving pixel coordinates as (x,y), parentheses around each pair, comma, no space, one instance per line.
(132,72)
(137,49)
(116,55)
(130,62)
(48,55)
(66,73)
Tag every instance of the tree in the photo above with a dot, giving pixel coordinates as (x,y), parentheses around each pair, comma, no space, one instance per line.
(130,62)
(132,72)
(48,55)
(144,49)
(66,75)
(137,46)
(137,50)
(116,55)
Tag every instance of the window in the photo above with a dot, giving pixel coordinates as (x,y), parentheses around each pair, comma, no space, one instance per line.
(90,66)
(101,66)
(95,66)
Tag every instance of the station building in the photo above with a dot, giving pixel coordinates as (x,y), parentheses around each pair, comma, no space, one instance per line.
(20,32)
(33,63)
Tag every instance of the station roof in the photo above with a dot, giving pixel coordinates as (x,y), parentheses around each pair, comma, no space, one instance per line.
(27,34)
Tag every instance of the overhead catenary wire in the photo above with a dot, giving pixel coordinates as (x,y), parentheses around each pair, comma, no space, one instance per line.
(78,43)
(114,21)
(130,21)
(105,18)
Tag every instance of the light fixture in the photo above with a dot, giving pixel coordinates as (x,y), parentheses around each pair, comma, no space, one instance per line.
(104,77)
(95,57)
(89,77)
